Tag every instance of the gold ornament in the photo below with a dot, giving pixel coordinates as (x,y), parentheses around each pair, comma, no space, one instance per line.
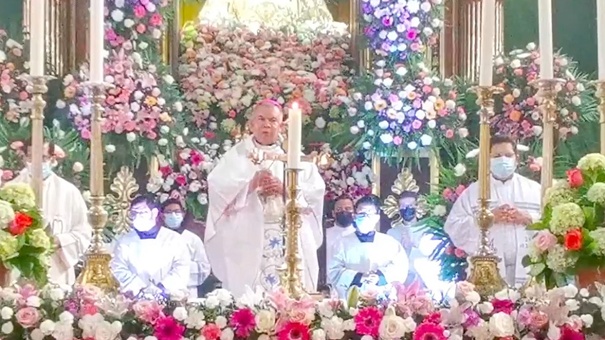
(405,182)
(123,188)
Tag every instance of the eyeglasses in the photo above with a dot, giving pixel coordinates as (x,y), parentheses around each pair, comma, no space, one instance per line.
(365,214)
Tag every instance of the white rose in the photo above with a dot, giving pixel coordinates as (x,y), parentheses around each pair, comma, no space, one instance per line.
(104,331)
(439,210)
(212,302)
(55,293)
(392,327)
(63,331)
(6,313)
(110,148)
(473,297)
(66,317)
(318,334)
(501,325)
(131,137)
(227,334)
(180,313)
(587,319)
(7,328)
(485,308)
(195,320)
(36,334)
(47,327)
(459,170)
(162,142)
(265,321)
(320,123)
(221,321)
(77,167)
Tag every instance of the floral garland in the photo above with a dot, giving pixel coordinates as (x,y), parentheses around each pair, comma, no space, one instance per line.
(560,313)
(520,115)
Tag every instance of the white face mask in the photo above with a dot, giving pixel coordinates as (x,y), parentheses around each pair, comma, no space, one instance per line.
(366,224)
(143,223)
(47,169)
(503,167)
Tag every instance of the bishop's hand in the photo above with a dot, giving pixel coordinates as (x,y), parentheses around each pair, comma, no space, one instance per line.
(260,178)
(520,217)
(502,214)
(272,186)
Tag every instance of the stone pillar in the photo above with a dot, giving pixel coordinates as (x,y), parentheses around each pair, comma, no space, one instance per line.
(461,37)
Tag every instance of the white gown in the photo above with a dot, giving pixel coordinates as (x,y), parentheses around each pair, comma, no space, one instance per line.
(333,236)
(66,215)
(351,256)
(200,266)
(511,241)
(165,259)
(242,248)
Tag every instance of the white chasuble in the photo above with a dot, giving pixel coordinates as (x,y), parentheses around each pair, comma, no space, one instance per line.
(200,266)
(510,241)
(66,218)
(243,249)
(141,262)
(352,259)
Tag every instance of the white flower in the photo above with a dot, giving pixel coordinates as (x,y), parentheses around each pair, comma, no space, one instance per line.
(56,293)
(439,210)
(105,331)
(265,321)
(227,334)
(66,317)
(195,320)
(473,297)
(221,321)
(47,327)
(501,325)
(319,334)
(485,308)
(211,302)
(7,327)
(150,338)
(162,142)
(333,327)
(117,15)
(508,294)
(131,137)
(110,148)
(320,123)
(392,327)
(459,170)
(570,291)
(6,313)
(180,313)
(36,334)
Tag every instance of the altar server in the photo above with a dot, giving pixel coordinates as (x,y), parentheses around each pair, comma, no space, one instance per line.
(64,213)
(173,214)
(368,259)
(343,215)
(243,240)
(149,259)
(515,203)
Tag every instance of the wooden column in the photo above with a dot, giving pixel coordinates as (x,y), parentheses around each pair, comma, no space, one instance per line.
(461,37)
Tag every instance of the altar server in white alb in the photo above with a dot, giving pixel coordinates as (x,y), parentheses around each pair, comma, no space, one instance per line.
(343,214)
(65,216)
(173,214)
(515,203)
(367,259)
(243,239)
(150,259)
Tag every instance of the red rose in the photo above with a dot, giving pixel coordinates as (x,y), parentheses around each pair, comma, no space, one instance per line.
(574,178)
(573,239)
(20,224)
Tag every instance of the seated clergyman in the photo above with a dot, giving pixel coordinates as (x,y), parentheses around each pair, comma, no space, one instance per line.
(367,259)
(150,259)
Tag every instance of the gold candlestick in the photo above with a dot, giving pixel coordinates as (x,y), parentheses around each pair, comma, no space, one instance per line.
(484,270)
(600,94)
(291,274)
(547,92)
(97,270)
(37,141)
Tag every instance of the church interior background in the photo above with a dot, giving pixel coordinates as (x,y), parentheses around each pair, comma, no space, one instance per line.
(169,154)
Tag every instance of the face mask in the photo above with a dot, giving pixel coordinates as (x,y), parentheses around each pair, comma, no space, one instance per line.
(143,223)
(344,218)
(47,169)
(366,224)
(173,220)
(503,167)
(408,213)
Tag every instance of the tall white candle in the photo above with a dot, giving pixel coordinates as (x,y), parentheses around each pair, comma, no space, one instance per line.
(37,9)
(546,49)
(488,36)
(97,40)
(601,37)
(294,136)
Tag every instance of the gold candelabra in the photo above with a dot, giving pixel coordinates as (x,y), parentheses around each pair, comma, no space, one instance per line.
(97,269)
(291,274)
(600,94)
(547,93)
(484,264)
(37,143)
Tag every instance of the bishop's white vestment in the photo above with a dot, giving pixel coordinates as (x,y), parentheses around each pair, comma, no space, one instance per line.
(244,249)
(510,241)
(355,256)
(200,266)
(65,217)
(161,259)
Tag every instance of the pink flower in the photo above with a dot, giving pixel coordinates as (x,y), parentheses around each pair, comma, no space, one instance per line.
(545,240)
(568,333)
(463,288)
(429,331)
(139,11)
(147,311)
(243,322)
(167,328)
(294,331)
(367,321)
(504,306)
(89,293)
(27,317)
(211,332)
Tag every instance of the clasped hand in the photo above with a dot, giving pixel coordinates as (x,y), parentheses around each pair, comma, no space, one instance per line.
(266,184)
(508,214)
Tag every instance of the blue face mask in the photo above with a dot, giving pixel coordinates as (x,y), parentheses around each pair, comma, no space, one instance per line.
(503,167)
(47,169)
(173,220)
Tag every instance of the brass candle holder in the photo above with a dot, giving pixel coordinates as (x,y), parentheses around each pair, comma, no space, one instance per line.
(291,274)
(484,264)
(97,269)
(600,94)
(547,93)
(39,90)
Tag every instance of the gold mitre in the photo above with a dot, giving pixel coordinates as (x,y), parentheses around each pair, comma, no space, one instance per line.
(405,182)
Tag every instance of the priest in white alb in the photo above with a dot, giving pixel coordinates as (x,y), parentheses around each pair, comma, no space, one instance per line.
(65,216)
(515,203)
(244,234)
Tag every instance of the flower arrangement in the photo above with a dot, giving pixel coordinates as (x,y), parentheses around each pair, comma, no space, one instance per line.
(348,174)
(15,98)
(86,312)
(226,68)
(521,116)
(570,239)
(24,245)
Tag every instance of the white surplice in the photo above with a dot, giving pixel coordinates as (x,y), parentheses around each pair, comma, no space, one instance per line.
(138,263)
(333,236)
(200,266)
(65,215)
(351,256)
(510,241)
(242,248)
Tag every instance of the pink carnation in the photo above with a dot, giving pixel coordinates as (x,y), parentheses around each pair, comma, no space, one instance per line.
(294,331)
(243,322)
(367,321)
(167,328)
(148,311)
(429,331)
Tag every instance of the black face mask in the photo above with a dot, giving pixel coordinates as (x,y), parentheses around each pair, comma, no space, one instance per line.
(344,218)
(408,213)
